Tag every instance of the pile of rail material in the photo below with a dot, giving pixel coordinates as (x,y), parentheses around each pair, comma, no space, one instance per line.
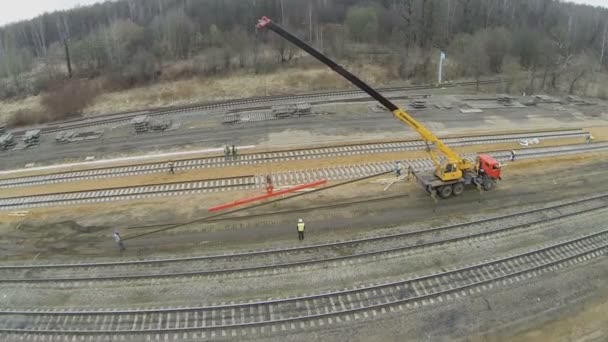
(576,100)
(283,111)
(64,137)
(143,124)
(140,123)
(159,125)
(32,138)
(546,99)
(231,118)
(504,99)
(7,141)
(418,104)
(88,135)
(2,127)
(377,108)
(297,109)
(303,108)
(444,105)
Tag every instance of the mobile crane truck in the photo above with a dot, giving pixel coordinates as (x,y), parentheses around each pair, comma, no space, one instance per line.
(451,173)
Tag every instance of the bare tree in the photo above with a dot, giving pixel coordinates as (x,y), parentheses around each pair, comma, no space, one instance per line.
(579,68)
(603,48)
(38,32)
(64,33)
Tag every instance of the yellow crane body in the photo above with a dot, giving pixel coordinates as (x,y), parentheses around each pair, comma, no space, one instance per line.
(453,172)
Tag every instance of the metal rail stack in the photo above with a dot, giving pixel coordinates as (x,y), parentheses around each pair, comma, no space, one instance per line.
(296,109)
(140,123)
(505,100)
(418,104)
(7,141)
(32,137)
(64,137)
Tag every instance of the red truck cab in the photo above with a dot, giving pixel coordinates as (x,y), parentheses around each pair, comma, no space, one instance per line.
(489,165)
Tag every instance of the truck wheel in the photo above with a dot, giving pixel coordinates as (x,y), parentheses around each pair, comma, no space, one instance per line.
(488,184)
(457,189)
(445,191)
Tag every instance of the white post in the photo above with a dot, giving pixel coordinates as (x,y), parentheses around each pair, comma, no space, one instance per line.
(441,58)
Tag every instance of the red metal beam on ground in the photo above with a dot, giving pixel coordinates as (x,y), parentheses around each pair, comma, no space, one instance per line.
(268,195)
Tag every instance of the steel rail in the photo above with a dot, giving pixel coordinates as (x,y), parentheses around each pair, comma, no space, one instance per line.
(114,118)
(306,247)
(531,262)
(280,179)
(275,156)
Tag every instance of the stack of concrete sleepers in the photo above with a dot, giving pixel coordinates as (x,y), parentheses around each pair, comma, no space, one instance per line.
(32,138)
(7,141)
(141,123)
(418,104)
(303,108)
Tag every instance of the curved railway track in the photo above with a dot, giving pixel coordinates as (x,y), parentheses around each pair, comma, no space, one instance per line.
(309,310)
(239,104)
(278,156)
(251,182)
(263,262)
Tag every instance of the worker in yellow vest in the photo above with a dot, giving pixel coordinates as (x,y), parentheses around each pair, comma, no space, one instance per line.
(301,226)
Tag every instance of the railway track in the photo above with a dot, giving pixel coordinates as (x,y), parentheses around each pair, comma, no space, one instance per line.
(258,181)
(263,262)
(238,104)
(308,310)
(277,156)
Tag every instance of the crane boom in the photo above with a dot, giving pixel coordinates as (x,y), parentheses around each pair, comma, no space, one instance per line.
(426,134)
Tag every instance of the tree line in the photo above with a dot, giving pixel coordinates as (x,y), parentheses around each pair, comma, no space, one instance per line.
(130,42)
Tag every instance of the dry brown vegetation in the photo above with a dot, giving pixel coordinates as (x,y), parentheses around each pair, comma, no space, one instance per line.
(232,85)
(68,99)
(90,97)
(23,117)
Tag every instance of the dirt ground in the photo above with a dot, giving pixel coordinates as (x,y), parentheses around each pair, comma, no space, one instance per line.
(589,323)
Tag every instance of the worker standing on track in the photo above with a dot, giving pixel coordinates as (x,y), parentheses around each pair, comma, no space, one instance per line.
(589,138)
(512,155)
(118,240)
(171,167)
(301,227)
(269,185)
(234,151)
(398,169)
